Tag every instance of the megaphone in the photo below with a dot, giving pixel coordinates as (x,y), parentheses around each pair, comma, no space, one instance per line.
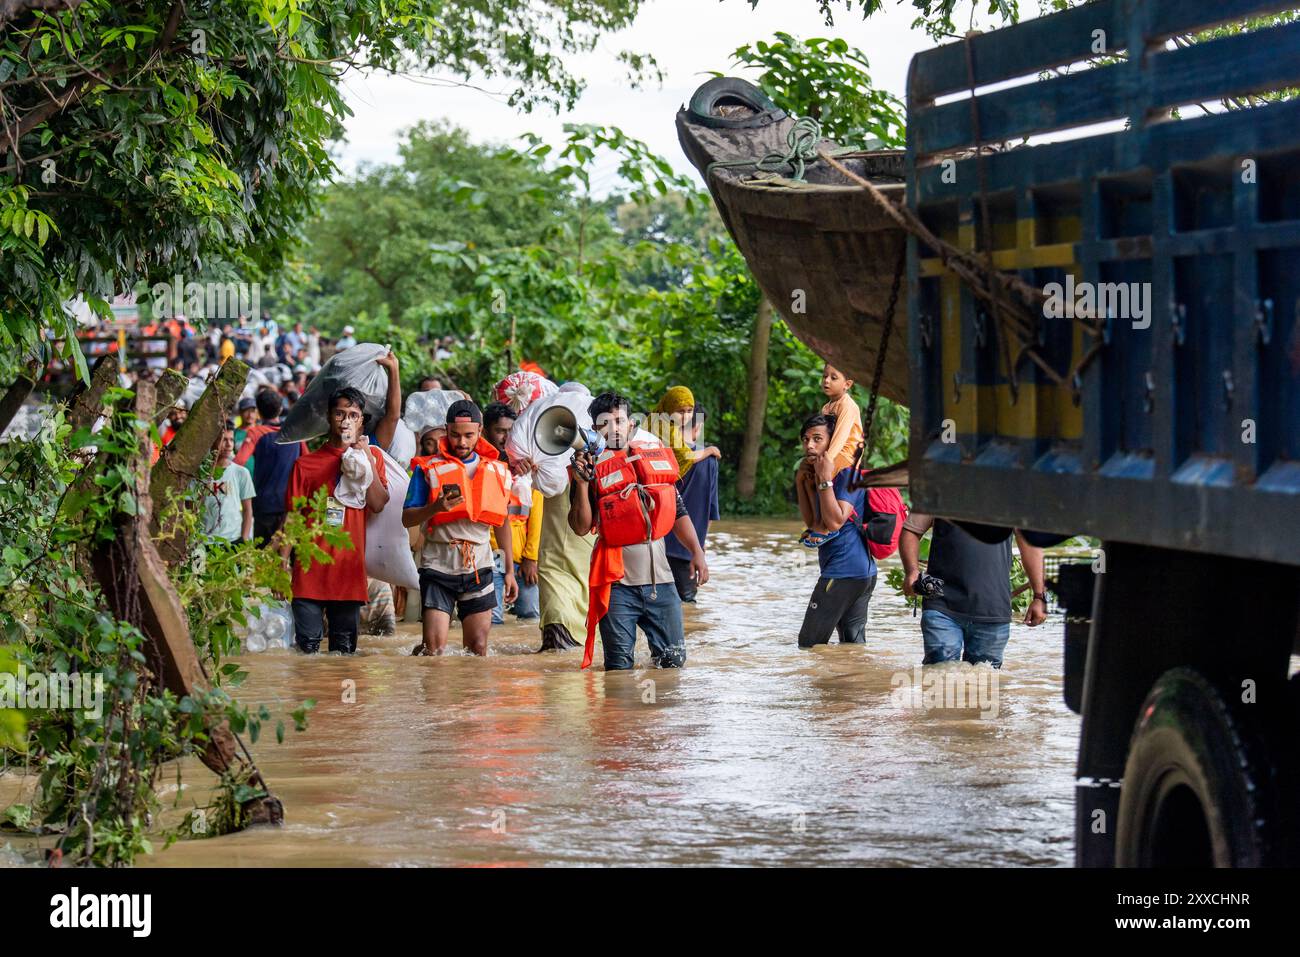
(557,431)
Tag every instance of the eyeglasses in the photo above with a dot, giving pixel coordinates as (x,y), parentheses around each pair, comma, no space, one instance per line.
(347,415)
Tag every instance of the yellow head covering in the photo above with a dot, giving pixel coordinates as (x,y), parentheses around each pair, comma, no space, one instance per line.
(675,399)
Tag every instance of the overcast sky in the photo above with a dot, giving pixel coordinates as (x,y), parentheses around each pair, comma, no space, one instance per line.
(687,37)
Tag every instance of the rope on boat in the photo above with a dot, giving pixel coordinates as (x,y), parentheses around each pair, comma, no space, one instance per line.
(801,139)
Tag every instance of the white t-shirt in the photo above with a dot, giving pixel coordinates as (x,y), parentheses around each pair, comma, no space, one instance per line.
(223,502)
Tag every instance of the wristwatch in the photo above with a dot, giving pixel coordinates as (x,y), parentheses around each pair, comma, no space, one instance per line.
(1040,596)
(822,485)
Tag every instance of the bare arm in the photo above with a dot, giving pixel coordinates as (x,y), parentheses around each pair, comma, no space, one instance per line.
(1031,557)
(387,427)
(835,512)
(246,532)
(684,529)
(420,514)
(376,491)
(909,552)
(580,517)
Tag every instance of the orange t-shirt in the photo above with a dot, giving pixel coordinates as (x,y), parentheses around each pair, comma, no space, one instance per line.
(345,578)
(848,430)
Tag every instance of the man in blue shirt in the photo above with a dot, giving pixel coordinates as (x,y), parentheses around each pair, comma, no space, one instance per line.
(833,514)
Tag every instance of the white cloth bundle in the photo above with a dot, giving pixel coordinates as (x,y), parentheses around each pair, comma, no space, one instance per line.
(388,543)
(355,475)
(550,472)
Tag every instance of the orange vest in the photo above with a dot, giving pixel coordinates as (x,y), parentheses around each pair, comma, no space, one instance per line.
(484,498)
(520,508)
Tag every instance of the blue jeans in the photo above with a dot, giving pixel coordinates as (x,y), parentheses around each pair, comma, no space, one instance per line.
(525,606)
(659,617)
(951,639)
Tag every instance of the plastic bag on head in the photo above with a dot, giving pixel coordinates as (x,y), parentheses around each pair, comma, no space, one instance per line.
(428,410)
(355,367)
(521,389)
(550,472)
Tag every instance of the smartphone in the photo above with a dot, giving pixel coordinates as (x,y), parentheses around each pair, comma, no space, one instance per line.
(451,491)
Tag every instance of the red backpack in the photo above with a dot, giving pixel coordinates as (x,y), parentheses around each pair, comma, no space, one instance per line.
(883,522)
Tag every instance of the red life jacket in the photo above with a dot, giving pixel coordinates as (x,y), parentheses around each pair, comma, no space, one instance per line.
(484,498)
(636,495)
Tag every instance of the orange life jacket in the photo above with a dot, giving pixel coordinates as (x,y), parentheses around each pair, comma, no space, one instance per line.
(484,498)
(520,508)
(636,495)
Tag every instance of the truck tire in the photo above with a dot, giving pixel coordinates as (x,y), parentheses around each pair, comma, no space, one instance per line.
(1196,791)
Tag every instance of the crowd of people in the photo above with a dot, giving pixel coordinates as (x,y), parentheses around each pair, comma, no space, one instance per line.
(610,543)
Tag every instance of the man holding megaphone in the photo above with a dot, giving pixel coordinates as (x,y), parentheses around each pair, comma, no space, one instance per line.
(626,492)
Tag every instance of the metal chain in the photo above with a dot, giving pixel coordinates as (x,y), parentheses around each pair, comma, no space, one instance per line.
(885,332)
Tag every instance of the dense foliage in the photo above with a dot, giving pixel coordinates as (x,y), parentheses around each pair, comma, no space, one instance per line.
(96,774)
(155,137)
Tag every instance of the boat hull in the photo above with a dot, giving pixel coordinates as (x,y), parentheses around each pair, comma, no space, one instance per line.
(821,250)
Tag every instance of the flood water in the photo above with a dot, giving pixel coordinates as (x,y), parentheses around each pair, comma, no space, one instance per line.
(756,753)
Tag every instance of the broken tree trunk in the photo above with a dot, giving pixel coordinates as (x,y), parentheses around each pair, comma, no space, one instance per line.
(87,403)
(179,463)
(17,393)
(169,387)
(134,581)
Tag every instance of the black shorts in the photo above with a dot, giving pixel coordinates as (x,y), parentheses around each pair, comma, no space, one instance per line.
(468,594)
(837,605)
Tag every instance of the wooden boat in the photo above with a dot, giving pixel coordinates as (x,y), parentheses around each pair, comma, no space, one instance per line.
(819,247)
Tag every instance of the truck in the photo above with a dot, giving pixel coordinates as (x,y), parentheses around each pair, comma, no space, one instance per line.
(1101,212)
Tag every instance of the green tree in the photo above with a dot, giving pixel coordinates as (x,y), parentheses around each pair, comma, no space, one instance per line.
(149,138)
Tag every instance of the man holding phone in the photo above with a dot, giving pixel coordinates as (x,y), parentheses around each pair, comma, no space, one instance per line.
(461,494)
(334,590)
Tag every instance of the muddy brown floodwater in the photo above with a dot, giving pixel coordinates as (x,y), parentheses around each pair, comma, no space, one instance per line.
(756,753)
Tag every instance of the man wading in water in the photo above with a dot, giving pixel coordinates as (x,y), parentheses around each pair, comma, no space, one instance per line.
(629,496)
(462,492)
(848,572)
(335,590)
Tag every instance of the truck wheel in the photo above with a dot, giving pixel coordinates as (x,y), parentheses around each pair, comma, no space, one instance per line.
(1195,792)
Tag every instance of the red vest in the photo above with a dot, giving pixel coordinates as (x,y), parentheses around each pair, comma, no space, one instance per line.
(484,498)
(636,495)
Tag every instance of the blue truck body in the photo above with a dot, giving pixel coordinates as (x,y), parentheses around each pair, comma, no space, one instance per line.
(1171,419)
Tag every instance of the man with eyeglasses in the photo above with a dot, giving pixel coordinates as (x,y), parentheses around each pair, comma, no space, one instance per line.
(335,591)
